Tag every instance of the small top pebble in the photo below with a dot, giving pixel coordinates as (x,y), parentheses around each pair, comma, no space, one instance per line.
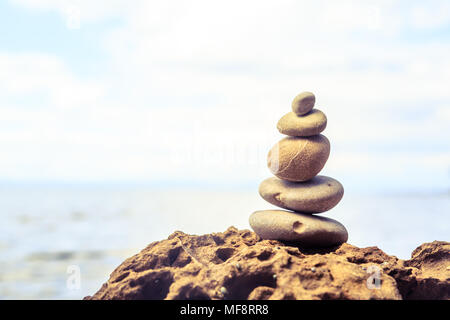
(303,103)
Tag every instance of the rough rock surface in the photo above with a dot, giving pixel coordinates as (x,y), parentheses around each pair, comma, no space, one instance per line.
(237,264)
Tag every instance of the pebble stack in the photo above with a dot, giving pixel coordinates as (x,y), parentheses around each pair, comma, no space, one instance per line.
(296,161)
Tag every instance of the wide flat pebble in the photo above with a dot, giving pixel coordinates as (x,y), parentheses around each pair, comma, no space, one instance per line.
(299,158)
(307,125)
(305,229)
(317,195)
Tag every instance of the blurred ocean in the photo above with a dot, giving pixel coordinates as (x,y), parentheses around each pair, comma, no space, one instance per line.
(47,229)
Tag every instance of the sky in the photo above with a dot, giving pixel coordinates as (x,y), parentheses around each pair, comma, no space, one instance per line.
(189,92)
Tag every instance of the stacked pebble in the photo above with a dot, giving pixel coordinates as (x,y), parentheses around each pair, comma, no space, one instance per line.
(295,161)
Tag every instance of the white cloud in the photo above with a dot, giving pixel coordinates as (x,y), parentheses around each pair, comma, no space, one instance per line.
(194,89)
(90,11)
(426,17)
(29,73)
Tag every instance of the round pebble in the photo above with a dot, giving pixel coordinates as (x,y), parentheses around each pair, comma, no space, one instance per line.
(317,195)
(303,103)
(310,124)
(299,158)
(305,229)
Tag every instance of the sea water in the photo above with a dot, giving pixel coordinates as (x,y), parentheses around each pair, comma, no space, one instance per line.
(48,232)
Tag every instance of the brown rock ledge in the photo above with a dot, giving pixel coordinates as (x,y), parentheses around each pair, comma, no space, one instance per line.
(237,264)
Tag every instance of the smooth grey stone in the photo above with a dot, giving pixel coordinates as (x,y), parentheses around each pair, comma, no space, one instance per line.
(317,195)
(303,103)
(307,125)
(304,229)
(299,158)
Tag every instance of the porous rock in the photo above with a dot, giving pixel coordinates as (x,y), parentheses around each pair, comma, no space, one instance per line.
(197,267)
